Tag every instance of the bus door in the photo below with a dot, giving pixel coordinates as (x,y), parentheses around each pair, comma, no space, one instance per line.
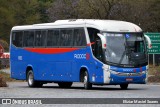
(98,55)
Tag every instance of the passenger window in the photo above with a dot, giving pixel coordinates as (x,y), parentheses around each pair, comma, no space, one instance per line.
(28,39)
(40,38)
(66,37)
(53,38)
(17,38)
(79,37)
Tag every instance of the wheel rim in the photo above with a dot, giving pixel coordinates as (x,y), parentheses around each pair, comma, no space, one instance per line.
(30,79)
(85,79)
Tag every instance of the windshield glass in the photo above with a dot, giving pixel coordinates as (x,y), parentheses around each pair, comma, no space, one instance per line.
(125,48)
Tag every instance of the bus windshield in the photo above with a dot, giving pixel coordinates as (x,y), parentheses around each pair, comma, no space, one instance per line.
(125,48)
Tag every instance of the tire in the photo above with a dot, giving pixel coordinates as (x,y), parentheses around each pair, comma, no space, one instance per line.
(65,84)
(31,81)
(124,86)
(87,84)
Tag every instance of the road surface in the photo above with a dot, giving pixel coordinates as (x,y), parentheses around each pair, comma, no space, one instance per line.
(51,90)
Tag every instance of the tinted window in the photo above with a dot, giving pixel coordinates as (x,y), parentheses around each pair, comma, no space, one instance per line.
(66,37)
(40,38)
(93,34)
(93,38)
(50,38)
(79,37)
(17,38)
(44,36)
(28,39)
(53,38)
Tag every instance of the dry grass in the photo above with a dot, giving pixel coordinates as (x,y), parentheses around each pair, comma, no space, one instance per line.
(154,71)
(4,77)
(2,81)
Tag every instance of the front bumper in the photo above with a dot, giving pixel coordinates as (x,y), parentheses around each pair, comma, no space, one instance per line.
(126,78)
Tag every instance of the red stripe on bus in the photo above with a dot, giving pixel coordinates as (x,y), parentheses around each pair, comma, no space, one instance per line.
(50,50)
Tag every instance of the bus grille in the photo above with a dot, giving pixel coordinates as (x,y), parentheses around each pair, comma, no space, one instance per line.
(129,74)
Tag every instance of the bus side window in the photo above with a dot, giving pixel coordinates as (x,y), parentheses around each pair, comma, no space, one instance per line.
(66,37)
(56,40)
(93,37)
(98,49)
(79,37)
(17,38)
(28,39)
(50,38)
(53,38)
(38,37)
(43,38)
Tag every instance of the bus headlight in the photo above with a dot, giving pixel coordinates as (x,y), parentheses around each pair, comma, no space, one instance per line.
(143,72)
(105,67)
(113,72)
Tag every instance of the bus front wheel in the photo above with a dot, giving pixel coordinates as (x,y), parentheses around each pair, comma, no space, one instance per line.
(87,84)
(31,81)
(124,86)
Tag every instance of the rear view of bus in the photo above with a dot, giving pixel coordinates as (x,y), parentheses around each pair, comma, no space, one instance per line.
(95,52)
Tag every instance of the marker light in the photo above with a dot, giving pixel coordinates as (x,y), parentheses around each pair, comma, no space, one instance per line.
(150,45)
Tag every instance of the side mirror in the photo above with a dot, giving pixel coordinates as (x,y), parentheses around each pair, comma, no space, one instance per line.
(148,41)
(103,40)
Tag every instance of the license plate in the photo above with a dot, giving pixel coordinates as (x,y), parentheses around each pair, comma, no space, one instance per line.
(129,79)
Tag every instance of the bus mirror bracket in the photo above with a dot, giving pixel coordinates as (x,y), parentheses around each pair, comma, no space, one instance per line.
(148,41)
(103,40)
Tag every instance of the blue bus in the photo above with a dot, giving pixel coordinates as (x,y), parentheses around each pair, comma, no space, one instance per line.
(94,52)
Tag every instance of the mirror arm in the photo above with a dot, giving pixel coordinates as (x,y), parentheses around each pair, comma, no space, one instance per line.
(149,41)
(103,40)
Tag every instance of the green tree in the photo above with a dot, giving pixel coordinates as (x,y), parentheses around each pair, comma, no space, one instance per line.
(43,6)
(97,9)
(63,9)
(26,12)
(18,12)
(6,19)
(154,11)
(144,13)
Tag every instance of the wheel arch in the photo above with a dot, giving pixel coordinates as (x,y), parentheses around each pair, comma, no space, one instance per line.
(83,69)
(29,67)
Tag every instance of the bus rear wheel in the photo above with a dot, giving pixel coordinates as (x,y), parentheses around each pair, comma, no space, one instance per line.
(87,84)
(31,81)
(124,86)
(65,84)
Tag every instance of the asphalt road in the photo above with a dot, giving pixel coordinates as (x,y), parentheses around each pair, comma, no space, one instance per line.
(51,90)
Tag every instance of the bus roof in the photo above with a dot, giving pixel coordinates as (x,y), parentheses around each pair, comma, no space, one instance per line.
(103,25)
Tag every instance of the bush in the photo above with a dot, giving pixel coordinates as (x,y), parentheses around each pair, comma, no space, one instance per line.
(155,78)
(2,81)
